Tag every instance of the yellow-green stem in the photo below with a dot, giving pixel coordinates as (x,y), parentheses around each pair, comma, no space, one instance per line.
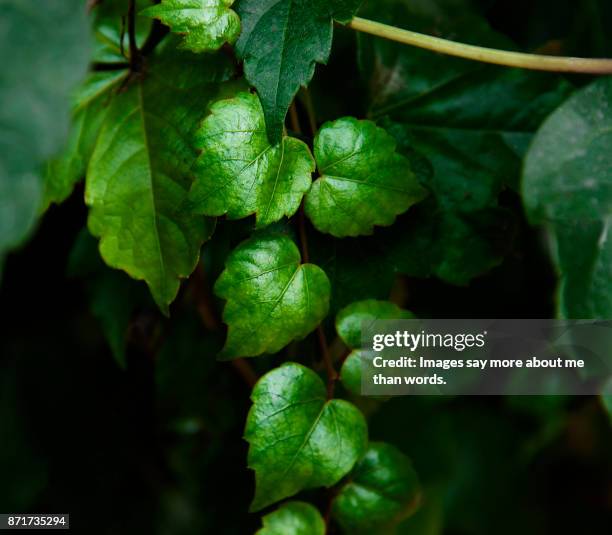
(536,62)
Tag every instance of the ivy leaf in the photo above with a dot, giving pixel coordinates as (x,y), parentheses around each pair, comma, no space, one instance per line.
(382,491)
(298,438)
(206,24)
(293,518)
(452,246)
(363,182)
(349,324)
(240,173)
(351,319)
(280,44)
(45,49)
(140,173)
(88,112)
(272,298)
(567,185)
(473,122)
(350,372)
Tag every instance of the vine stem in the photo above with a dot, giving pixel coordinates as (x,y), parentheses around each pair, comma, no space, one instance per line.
(134,52)
(212,322)
(522,60)
(332,375)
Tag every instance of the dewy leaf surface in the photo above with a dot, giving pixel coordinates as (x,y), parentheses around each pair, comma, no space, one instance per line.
(272,298)
(140,173)
(298,439)
(381,492)
(280,43)
(293,518)
(205,24)
(567,185)
(44,47)
(363,182)
(240,173)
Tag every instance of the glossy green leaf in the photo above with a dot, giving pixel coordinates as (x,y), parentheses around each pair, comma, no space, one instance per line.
(140,173)
(363,182)
(293,518)
(240,173)
(381,492)
(280,44)
(350,372)
(205,24)
(351,320)
(272,298)
(44,50)
(567,185)
(88,112)
(298,438)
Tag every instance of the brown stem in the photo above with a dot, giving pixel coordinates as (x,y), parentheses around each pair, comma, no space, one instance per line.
(310,111)
(246,371)
(332,375)
(158,32)
(135,57)
(211,321)
(294,118)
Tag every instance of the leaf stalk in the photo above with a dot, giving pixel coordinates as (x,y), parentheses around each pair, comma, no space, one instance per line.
(505,58)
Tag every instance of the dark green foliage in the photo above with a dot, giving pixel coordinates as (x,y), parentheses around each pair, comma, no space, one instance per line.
(244,199)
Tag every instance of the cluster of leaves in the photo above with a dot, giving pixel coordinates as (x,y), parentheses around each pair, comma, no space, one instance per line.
(177,130)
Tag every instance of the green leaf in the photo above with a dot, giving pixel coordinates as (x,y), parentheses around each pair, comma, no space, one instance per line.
(298,438)
(280,44)
(110,33)
(349,324)
(351,319)
(206,24)
(567,185)
(272,298)
(240,173)
(382,491)
(453,246)
(140,173)
(293,518)
(472,121)
(363,182)
(88,112)
(44,51)
(350,372)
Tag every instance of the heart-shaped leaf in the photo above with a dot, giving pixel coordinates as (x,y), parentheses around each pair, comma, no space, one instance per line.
(298,438)
(363,182)
(240,173)
(382,491)
(272,298)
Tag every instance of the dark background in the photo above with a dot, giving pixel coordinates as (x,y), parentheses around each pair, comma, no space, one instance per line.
(157,448)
